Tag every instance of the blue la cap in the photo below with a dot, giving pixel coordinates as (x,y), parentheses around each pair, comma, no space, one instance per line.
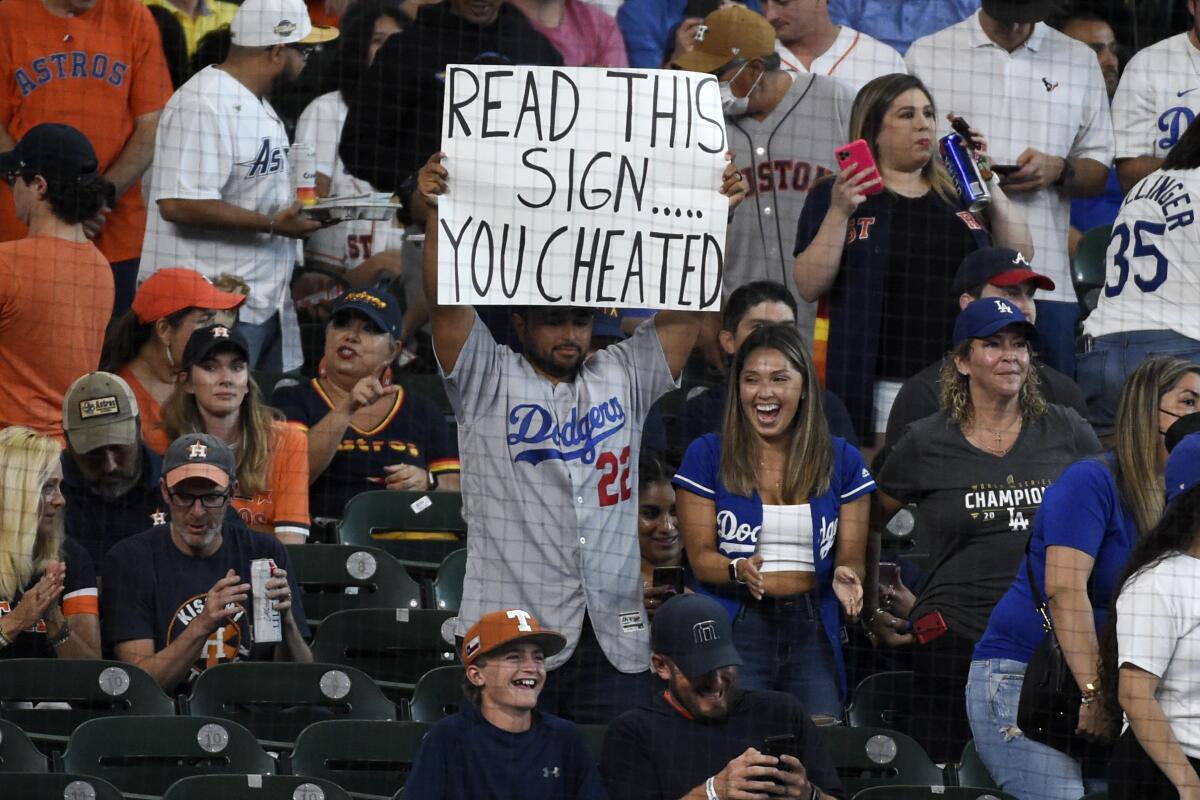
(377,305)
(607,323)
(1183,466)
(988,316)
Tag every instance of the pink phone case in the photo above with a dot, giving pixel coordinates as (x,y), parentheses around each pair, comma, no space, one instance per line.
(857,152)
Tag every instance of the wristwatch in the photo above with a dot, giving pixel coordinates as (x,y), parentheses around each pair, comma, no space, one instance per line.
(1068,172)
(733,574)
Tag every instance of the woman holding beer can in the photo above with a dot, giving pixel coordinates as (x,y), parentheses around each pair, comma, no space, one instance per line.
(881,243)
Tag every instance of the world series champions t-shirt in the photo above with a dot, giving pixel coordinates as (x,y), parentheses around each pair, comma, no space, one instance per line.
(976,508)
(413,432)
(152,590)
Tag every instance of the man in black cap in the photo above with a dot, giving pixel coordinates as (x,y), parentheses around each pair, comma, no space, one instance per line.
(704,738)
(177,597)
(990,272)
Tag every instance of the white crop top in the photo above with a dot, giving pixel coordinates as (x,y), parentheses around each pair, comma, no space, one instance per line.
(786,539)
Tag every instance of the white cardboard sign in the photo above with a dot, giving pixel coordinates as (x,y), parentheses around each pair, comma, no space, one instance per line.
(582,187)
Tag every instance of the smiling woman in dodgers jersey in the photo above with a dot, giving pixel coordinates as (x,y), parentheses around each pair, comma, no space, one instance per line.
(1151,296)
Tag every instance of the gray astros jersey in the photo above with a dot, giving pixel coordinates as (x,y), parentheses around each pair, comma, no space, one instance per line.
(782,157)
(549,484)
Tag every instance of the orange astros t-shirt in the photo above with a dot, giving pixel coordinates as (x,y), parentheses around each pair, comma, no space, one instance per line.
(55,299)
(98,72)
(283,507)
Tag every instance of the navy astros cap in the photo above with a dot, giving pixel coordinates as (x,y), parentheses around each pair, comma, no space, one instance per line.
(693,630)
(56,152)
(999,266)
(204,342)
(199,455)
(987,317)
(1183,466)
(377,305)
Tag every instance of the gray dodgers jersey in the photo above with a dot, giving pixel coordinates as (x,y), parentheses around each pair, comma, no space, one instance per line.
(549,485)
(781,158)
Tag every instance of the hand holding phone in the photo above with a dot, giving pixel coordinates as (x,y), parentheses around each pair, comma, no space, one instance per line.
(779,746)
(670,577)
(858,153)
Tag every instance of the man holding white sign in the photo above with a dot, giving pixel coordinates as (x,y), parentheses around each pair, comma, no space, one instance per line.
(549,442)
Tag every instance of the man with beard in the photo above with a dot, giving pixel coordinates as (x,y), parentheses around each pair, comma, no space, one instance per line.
(704,737)
(222,201)
(548,442)
(110,476)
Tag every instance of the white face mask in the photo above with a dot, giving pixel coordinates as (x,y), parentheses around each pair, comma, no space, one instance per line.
(731,104)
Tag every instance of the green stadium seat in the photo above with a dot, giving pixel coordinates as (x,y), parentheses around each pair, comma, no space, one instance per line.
(17,752)
(91,689)
(1088,267)
(55,786)
(395,646)
(367,759)
(276,701)
(593,737)
(418,528)
(145,755)
(882,700)
(336,577)
(448,585)
(255,787)
(868,757)
(971,770)
(437,694)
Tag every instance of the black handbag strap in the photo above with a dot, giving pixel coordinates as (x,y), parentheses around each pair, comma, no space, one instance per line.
(1039,600)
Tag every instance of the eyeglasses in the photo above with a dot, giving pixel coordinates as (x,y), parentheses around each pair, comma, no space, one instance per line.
(187,500)
(11,177)
(305,50)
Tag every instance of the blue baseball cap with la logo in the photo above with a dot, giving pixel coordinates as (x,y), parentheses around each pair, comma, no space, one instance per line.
(987,317)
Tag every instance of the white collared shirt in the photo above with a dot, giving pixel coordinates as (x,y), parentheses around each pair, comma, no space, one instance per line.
(1048,94)
(854,58)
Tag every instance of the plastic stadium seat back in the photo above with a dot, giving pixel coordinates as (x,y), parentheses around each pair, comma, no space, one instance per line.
(437,694)
(91,689)
(972,771)
(418,528)
(882,700)
(1089,265)
(364,758)
(395,646)
(337,577)
(931,793)
(593,737)
(277,700)
(56,785)
(18,753)
(430,387)
(867,757)
(145,755)
(448,585)
(255,787)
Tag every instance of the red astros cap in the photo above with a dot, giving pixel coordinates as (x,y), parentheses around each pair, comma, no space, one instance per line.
(506,627)
(175,288)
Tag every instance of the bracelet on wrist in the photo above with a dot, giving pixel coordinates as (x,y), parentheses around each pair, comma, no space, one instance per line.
(271,227)
(63,634)
(710,788)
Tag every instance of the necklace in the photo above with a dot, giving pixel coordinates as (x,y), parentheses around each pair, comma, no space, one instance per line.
(997,447)
(763,467)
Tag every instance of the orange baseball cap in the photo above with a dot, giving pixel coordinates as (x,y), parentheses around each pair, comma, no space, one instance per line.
(176,288)
(506,627)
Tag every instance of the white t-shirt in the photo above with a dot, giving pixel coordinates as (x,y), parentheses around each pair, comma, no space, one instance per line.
(347,245)
(1153,277)
(1048,94)
(1158,97)
(217,141)
(1158,630)
(854,58)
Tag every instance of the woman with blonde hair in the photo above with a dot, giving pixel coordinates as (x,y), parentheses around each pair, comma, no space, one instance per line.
(883,251)
(773,512)
(47,582)
(217,395)
(1088,524)
(976,472)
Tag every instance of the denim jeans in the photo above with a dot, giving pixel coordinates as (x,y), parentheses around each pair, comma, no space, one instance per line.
(784,647)
(1030,770)
(1101,373)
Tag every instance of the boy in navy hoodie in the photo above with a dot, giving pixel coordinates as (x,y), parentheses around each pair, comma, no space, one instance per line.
(498,745)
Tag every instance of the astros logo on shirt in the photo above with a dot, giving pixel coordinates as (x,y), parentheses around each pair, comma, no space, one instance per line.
(226,643)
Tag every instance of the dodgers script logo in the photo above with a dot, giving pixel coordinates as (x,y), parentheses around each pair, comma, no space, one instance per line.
(577,438)
(737,539)
(1173,122)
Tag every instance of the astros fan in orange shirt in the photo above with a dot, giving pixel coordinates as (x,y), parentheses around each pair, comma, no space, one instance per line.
(97,65)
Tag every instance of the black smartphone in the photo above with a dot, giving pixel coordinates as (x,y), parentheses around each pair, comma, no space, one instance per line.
(889,573)
(1005,169)
(669,576)
(963,129)
(783,744)
(701,8)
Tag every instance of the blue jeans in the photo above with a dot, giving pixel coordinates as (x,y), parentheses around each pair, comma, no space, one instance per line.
(784,647)
(1030,770)
(124,284)
(1103,371)
(1056,334)
(265,340)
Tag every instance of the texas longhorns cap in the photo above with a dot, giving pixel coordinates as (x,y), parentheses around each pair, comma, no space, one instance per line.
(499,628)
